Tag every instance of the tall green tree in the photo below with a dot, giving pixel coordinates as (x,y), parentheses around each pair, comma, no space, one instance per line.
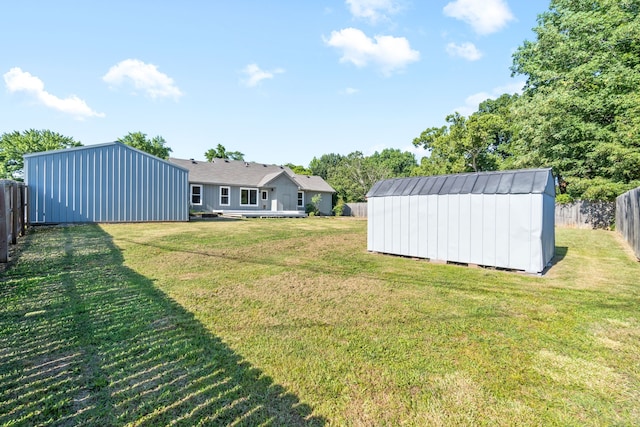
(399,163)
(354,176)
(464,145)
(156,146)
(15,144)
(220,152)
(323,166)
(580,110)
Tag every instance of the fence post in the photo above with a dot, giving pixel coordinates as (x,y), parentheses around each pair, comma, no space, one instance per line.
(20,212)
(4,241)
(25,200)
(15,212)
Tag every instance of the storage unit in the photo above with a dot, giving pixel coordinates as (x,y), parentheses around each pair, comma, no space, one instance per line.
(110,182)
(499,219)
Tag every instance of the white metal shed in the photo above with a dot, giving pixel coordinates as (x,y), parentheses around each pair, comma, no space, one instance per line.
(499,219)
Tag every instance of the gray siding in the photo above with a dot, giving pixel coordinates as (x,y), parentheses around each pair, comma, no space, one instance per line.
(326,203)
(285,194)
(104,183)
(282,195)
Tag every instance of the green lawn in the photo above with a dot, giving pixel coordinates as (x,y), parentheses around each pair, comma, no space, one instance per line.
(293,322)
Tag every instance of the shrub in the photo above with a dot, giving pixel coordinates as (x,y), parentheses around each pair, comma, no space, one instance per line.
(563,199)
(338,209)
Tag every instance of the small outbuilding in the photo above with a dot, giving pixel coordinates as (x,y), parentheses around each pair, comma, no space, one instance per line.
(110,182)
(500,219)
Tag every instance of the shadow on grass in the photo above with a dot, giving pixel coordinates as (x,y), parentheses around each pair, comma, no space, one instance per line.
(561,252)
(85,340)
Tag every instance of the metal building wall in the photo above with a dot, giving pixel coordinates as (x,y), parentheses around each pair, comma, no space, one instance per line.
(104,183)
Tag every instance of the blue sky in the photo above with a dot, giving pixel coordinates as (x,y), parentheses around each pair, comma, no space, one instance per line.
(280,81)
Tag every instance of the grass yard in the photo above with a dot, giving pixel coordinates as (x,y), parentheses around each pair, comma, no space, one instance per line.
(293,322)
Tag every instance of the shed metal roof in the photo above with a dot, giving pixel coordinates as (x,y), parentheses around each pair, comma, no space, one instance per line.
(522,181)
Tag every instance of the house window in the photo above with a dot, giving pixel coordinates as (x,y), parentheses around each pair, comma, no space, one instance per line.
(196,194)
(300,199)
(264,195)
(224,196)
(248,197)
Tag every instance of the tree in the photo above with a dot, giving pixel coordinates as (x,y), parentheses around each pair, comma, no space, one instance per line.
(155,146)
(221,153)
(298,170)
(354,176)
(580,110)
(14,145)
(465,145)
(399,163)
(323,166)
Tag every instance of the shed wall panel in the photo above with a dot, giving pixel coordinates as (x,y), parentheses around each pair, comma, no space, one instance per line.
(423,226)
(442,225)
(476,230)
(502,217)
(432,226)
(414,225)
(489,229)
(464,228)
(453,227)
(520,232)
(405,220)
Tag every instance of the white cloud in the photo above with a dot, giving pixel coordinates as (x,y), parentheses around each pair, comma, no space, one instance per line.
(484,16)
(255,75)
(22,81)
(373,11)
(472,102)
(467,50)
(145,77)
(388,52)
(349,91)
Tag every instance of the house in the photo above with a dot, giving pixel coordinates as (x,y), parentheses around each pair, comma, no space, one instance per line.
(110,182)
(499,219)
(226,186)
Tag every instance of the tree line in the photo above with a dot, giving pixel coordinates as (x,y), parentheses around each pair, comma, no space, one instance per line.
(579,113)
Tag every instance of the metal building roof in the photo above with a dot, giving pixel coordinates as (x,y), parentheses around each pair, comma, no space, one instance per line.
(523,181)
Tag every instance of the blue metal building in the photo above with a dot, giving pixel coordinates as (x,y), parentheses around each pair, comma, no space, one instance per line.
(110,182)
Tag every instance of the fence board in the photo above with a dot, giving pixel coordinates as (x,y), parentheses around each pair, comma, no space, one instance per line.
(4,230)
(12,215)
(355,209)
(584,214)
(628,218)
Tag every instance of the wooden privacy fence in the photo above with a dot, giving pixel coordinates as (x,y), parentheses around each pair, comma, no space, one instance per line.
(585,214)
(628,218)
(355,209)
(13,215)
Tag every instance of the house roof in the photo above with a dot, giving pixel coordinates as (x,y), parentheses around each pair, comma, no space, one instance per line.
(523,181)
(249,174)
